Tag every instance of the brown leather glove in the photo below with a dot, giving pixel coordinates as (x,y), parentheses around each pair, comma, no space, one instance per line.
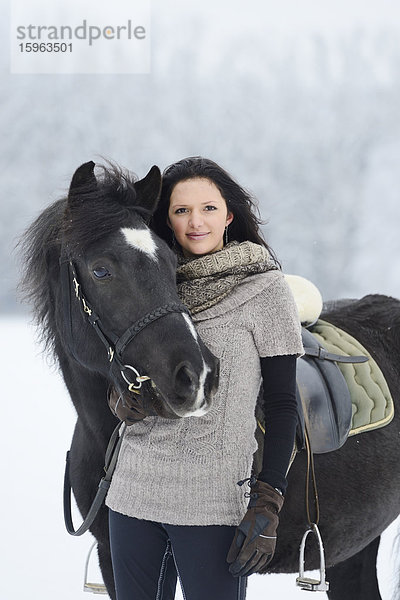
(126,407)
(254,543)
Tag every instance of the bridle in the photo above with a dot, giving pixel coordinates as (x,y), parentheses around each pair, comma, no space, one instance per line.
(114,344)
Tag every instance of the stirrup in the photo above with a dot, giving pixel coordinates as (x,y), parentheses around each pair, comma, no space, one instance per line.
(307,583)
(94,588)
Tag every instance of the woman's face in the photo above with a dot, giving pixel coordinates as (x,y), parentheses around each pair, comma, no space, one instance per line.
(198,216)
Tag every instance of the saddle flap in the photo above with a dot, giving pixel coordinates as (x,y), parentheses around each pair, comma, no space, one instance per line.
(323,403)
(325,399)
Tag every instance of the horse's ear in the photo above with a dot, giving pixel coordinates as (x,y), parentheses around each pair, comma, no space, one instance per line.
(82,180)
(148,190)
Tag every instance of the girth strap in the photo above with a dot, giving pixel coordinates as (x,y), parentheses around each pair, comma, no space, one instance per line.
(322,354)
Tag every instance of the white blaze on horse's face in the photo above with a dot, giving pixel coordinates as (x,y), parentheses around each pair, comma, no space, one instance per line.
(190,325)
(203,407)
(141,239)
(200,400)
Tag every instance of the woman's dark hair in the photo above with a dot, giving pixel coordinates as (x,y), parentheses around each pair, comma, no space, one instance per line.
(246,223)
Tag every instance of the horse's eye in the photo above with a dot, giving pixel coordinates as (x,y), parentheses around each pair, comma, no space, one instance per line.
(101,272)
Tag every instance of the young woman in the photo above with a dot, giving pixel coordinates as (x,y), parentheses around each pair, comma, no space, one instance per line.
(175,505)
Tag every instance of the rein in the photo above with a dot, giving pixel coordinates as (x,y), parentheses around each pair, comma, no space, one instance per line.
(111,457)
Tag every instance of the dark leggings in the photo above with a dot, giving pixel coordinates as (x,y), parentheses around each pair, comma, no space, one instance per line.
(148,556)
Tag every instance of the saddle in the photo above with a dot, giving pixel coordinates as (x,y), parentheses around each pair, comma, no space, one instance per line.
(324,403)
(323,396)
(337,395)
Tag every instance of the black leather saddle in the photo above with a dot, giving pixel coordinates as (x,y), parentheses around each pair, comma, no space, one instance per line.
(323,399)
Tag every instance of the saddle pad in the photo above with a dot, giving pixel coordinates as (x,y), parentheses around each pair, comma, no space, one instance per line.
(372,403)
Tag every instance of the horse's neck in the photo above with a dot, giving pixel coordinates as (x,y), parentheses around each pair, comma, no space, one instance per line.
(88,391)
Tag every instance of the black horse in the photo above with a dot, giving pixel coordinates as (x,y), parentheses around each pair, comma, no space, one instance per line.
(103,288)
(359,485)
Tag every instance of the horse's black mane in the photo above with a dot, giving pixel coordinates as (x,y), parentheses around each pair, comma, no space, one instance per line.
(100,207)
(96,209)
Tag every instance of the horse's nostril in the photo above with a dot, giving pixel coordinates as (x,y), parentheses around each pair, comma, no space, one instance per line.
(185,380)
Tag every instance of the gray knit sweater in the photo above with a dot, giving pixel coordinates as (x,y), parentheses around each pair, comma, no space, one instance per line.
(185,471)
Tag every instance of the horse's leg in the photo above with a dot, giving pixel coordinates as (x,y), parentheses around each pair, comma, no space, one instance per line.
(356,577)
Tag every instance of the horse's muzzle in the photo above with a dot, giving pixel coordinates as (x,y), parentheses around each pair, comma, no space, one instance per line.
(193,391)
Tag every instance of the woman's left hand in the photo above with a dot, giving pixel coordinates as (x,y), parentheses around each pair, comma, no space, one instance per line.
(128,408)
(254,543)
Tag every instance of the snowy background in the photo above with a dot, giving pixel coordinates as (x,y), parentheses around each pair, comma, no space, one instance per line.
(298,99)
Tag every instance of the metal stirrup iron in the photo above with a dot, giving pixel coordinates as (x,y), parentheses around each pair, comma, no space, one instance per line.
(307,583)
(94,588)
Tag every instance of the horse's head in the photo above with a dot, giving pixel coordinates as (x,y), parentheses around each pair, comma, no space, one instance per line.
(122,316)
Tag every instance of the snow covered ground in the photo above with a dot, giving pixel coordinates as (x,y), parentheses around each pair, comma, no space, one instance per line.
(39,559)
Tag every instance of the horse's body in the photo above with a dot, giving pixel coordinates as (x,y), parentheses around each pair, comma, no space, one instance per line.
(359,485)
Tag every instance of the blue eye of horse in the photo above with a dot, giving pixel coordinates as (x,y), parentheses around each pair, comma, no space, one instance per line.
(101,272)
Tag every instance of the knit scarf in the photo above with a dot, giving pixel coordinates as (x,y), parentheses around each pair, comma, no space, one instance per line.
(204,281)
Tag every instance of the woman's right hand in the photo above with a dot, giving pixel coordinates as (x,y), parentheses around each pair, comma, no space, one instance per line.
(254,543)
(126,407)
